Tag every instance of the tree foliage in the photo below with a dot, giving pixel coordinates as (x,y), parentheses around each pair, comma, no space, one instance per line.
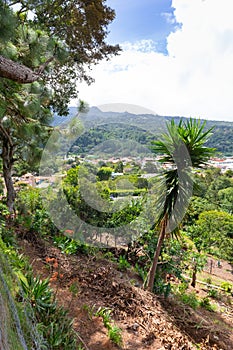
(182,137)
(213,233)
(59,41)
(45,48)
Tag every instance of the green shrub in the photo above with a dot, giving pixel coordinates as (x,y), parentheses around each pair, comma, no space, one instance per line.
(38,293)
(182,287)
(115,335)
(8,236)
(105,313)
(208,280)
(213,293)
(123,263)
(1,187)
(55,325)
(227,287)
(3,211)
(28,200)
(71,246)
(190,299)
(109,256)
(141,271)
(205,302)
(114,332)
(162,287)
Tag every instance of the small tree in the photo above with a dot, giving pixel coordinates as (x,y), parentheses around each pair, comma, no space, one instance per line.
(104,173)
(187,136)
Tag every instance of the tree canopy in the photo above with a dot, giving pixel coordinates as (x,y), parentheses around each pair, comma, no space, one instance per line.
(54,41)
(46,47)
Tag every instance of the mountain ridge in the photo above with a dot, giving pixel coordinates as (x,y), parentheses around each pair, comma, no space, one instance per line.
(154,124)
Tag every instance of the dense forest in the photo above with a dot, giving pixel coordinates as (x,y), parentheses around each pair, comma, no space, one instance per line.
(103,126)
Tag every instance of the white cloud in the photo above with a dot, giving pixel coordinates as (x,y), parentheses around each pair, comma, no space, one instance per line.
(194,79)
(170,18)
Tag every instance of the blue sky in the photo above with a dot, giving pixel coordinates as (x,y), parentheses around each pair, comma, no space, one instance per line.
(176,59)
(140,20)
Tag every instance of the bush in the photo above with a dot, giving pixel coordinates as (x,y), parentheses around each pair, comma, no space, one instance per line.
(115,336)
(183,287)
(227,287)
(55,325)
(1,187)
(114,332)
(141,271)
(32,215)
(209,280)
(162,287)
(213,293)
(123,263)
(205,302)
(190,299)
(70,246)
(28,200)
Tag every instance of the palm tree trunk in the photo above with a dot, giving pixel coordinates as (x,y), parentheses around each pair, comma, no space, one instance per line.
(152,272)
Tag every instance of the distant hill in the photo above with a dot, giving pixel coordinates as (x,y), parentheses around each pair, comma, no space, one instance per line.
(102,126)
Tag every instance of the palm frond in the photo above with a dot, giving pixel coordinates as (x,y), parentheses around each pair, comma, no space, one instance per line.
(182,146)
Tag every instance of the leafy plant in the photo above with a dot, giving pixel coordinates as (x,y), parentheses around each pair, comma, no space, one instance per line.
(190,299)
(55,325)
(105,313)
(183,287)
(36,298)
(205,302)
(141,271)
(162,287)
(8,235)
(209,280)
(226,286)
(58,330)
(114,332)
(90,310)
(80,347)
(115,335)
(74,289)
(70,246)
(109,256)
(213,293)
(3,211)
(38,293)
(123,263)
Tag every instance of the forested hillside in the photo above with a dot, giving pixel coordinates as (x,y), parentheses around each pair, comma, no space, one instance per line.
(95,254)
(101,126)
(93,264)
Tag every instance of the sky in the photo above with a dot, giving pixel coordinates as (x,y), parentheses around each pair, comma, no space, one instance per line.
(176,59)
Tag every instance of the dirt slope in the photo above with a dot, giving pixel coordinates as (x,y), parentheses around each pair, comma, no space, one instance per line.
(147,322)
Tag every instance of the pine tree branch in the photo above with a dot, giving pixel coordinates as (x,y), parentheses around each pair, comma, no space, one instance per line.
(16,71)
(5,135)
(42,67)
(20,73)
(14,3)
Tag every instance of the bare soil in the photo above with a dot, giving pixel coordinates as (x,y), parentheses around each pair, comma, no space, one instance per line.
(147,321)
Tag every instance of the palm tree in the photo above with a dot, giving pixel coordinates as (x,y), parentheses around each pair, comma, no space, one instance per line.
(181,149)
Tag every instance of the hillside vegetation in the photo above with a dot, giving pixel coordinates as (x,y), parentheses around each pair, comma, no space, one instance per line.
(101,287)
(102,126)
